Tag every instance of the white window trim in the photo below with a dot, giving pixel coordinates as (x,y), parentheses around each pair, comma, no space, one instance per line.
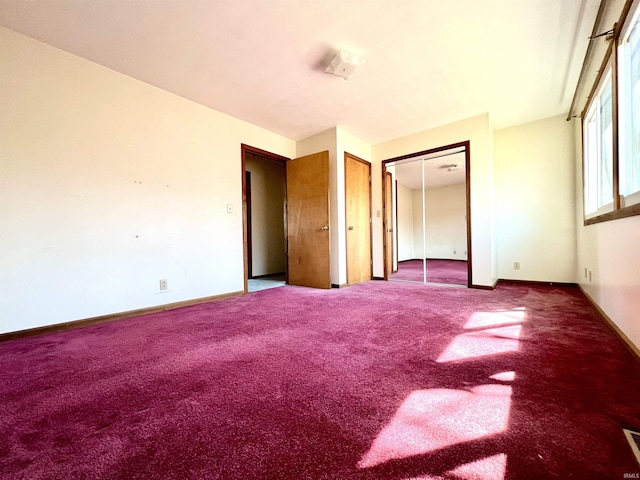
(624,102)
(593,111)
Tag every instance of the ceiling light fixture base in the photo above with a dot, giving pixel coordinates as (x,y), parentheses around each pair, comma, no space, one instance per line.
(345,64)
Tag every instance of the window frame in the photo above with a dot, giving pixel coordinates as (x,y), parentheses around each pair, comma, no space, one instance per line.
(619,210)
(626,94)
(594,112)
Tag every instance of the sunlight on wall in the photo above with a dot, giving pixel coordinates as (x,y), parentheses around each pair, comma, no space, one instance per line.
(430,420)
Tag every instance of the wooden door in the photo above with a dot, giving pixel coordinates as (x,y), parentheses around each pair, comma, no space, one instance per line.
(388,224)
(357,179)
(308,235)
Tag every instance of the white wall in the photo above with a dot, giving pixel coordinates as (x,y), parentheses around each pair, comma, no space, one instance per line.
(478,131)
(535,202)
(445,235)
(109,185)
(267,215)
(609,250)
(405,223)
(446,222)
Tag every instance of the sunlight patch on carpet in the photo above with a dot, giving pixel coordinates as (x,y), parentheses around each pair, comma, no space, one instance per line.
(494,319)
(434,419)
(504,376)
(489,468)
(490,341)
(634,442)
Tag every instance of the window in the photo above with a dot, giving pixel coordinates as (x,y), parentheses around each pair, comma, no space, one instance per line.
(611,126)
(598,158)
(629,114)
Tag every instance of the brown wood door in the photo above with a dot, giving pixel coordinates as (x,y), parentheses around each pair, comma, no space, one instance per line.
(308,235)
(357,179)
(388,224)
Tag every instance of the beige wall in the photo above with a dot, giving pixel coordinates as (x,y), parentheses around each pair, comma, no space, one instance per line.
(446,224)
(535,201)
(109,185)
(267,215)
(445,236)
(609,250)
(478,131)
(405,223)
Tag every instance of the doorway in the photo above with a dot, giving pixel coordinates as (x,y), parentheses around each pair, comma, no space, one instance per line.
(264,213)
(427,206)
(296,238)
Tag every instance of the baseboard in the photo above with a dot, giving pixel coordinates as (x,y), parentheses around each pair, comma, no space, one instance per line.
(58,327)
(537,282)
(377,278)
(486,287)
(632,347)
(335,285)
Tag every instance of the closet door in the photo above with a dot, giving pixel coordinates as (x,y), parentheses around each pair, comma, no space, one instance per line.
(432,216)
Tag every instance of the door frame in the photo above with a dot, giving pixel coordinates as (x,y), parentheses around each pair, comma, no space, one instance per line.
(247,208)
(388,175)
(244,149)
(348,156)
(467,152)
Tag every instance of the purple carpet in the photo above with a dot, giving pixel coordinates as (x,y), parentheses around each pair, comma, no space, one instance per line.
(452,272)
(380,380)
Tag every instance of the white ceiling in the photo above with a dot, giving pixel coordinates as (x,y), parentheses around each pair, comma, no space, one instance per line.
(409,173)
(430,62)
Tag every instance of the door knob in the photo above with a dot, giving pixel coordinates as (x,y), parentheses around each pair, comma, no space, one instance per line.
(350,228)
(325,227)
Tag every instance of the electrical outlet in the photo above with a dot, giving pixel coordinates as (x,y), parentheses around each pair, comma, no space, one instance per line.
(516,265)
(163,284)
(454,252)
(229,207)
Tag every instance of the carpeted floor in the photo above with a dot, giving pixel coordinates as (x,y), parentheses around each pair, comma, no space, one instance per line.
(452,272)
(381,380)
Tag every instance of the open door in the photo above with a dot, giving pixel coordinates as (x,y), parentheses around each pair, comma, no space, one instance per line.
(308,236)
(357,179)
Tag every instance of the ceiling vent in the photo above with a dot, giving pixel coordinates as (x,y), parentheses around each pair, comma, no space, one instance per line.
(345,64)
(451,167)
